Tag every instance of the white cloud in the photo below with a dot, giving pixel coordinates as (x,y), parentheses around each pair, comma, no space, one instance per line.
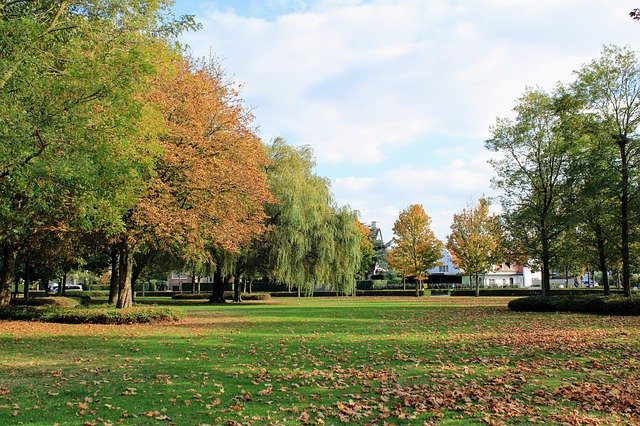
(359,81)
(442,191)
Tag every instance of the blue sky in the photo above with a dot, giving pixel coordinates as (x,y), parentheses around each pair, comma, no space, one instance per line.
(397,97)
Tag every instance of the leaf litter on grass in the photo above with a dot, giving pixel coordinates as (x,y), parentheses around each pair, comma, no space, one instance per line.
(359,362)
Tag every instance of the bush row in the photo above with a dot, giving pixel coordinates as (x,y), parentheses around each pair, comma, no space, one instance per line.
(408,293)
(227,295)
(507,292)
(589,304)
(91,315)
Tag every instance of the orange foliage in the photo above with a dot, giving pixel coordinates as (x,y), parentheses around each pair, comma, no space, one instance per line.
(210,185)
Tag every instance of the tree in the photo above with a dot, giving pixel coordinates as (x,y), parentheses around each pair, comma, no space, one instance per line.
(68,74)
(208,189)
(534,176)
(596,213)
(367,249)
(610,86)
(416,247)
(475,240)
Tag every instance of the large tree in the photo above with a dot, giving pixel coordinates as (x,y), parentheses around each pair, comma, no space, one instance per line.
(208,189)
(534,175)
(68,74)
(310,241)
(610,86)
(475,241)
(416,248)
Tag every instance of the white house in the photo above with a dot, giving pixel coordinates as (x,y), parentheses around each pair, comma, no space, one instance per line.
(511,275)
(445,265)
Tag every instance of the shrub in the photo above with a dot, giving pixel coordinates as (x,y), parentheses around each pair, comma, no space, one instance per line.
(91,315)
(589,304)
(166,293)
(46,301)
(407,293)
(228,295)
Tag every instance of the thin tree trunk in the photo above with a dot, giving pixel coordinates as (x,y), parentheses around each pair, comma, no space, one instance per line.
(602,257)
(125,296)
(62,288)
(114,281)
(477,286)
(624,217)
(27,280)
(546,284)
(237,295)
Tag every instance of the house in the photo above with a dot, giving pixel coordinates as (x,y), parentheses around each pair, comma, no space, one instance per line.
(510,274)
(446,272)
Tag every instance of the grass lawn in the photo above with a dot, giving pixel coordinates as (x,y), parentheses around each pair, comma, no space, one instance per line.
(443,360)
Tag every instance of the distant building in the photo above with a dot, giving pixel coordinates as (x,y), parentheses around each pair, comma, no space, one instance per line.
(510,275)
(445,265)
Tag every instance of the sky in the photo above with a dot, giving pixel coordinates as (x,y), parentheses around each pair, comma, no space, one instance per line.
(397,98)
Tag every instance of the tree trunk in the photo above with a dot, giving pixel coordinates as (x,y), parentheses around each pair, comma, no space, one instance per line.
(418,288)
(546,284)
(624,216)
(62,288)
(217,295)
(27,280)
(237,295)
(125,269)
(114,281)
(477,285)
(602,257)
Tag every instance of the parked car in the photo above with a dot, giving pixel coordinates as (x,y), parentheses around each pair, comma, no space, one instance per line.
(68,287)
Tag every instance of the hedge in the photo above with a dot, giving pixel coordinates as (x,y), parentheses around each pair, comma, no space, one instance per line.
(518,292)
(166,293)
(589,304)
(406,293)
(91,315)
(46,301)
(227,295)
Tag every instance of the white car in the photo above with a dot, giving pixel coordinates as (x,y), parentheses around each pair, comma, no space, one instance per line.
(68,287)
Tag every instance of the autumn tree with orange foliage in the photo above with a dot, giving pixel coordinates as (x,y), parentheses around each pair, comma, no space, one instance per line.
(416,248)
(208,186)
(475,242)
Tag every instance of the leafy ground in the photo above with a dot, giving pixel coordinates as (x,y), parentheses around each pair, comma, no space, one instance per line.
(327,361)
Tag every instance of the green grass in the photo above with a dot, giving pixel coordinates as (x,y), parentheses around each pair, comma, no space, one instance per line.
(326,361)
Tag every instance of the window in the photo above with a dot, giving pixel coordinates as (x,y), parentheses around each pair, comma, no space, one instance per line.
(443,268)
(492,281)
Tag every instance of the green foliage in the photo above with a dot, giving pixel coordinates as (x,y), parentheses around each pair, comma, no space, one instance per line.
(588,304)
(537,162)
(310,241)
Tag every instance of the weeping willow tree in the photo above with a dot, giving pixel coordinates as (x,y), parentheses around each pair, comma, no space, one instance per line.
(310,242)
(348,251)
